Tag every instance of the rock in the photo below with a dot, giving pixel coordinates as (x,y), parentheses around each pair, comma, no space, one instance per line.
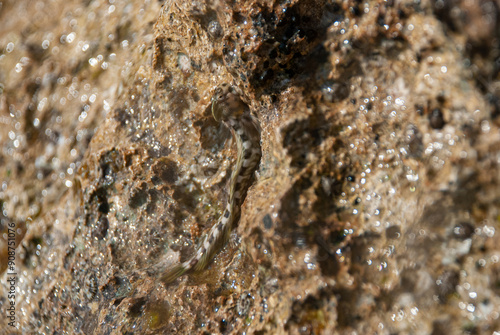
(374,208)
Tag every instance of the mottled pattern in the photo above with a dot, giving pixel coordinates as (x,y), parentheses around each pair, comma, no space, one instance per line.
(227,107)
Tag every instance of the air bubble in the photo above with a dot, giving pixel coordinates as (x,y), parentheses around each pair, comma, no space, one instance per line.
(71,37)
(10,47)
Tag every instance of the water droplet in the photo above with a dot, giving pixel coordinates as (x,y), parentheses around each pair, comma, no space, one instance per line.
(10,47)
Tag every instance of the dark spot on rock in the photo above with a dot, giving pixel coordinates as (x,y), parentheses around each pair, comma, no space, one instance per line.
(420,109)
(463,230)
(447,284)
(324,204)
(100,197)
(441,98)
(137,306)
(436,119)
(495,280)
(356,10)
(31,249)
(335,91)
(87,326)
(139,196)
(110,290)
(299,239)
(360,245)
(156,180)
(166,170)
(184,197)
(303,310)
(301,137)
(495,100)
(414,141)
(110,163)
(381,20)
(470,329)
(19,168)
(157,150)
(327,260)
(118,301)
(337,236)
(154,196)
(441,326)
(223,325)
(291,43)
(178,101)
(268,222)
(101,228)
(393,232)
(290,209)
(266,75)
(283,48)
(108,318)
(434,215)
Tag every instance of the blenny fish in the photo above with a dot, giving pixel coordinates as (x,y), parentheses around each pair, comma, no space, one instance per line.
(228,108)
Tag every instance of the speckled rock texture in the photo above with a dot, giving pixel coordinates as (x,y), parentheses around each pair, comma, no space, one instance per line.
(375,206)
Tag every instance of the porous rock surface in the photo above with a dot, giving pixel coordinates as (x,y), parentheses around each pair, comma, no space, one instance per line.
(375,205)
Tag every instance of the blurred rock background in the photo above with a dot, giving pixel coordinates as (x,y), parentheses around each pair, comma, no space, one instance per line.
(377,200)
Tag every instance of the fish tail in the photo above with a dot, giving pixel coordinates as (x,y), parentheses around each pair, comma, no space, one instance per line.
(172,274)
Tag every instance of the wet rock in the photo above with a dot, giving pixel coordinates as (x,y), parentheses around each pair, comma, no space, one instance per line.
(374,207)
